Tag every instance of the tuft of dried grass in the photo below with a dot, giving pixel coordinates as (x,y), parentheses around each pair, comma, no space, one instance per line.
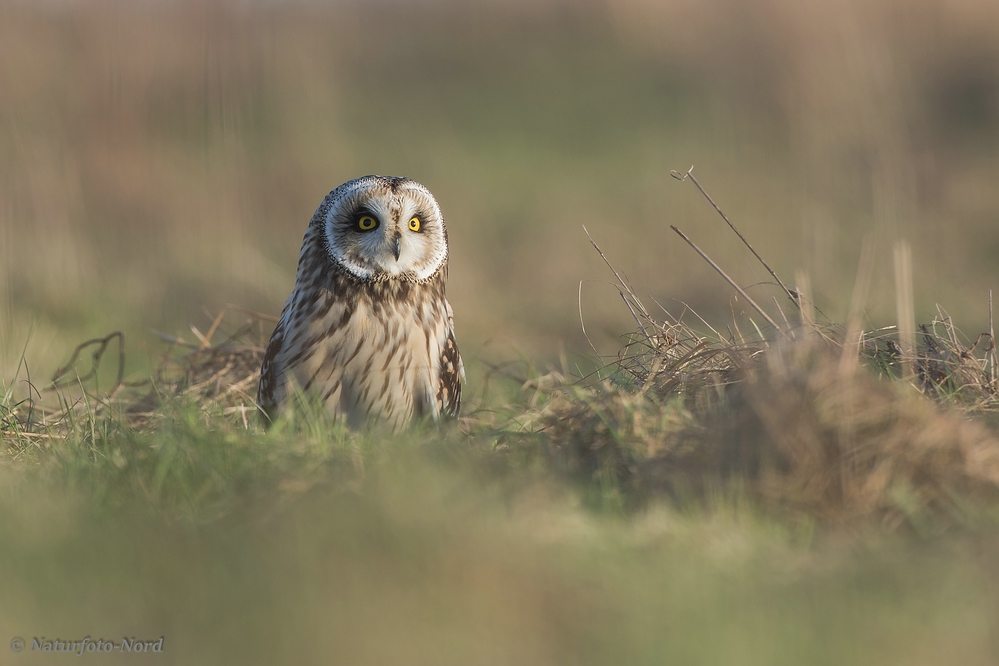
(795,433)
(838,446)
(214,375)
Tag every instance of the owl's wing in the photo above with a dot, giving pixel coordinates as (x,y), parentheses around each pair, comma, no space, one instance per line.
(270,374)
(452,373)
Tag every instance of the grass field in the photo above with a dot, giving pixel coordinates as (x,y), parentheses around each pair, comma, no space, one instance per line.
(741,496)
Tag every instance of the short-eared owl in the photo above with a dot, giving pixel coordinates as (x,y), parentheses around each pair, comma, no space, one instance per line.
(368,330)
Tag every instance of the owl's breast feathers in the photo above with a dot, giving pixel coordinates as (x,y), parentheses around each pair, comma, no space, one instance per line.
(380,350)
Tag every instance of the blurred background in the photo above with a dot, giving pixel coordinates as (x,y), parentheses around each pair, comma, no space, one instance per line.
(159,159)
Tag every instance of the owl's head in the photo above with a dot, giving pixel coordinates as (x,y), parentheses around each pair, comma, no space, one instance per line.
(384,227)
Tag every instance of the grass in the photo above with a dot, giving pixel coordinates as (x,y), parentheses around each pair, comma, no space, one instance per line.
(320,546)
(252,547)
(418,568)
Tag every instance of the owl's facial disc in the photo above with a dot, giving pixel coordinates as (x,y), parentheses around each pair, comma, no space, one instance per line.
(385,228)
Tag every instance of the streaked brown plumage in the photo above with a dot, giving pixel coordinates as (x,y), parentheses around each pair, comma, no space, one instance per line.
(368,329)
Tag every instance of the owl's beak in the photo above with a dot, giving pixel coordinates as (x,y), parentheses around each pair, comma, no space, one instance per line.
(396,246)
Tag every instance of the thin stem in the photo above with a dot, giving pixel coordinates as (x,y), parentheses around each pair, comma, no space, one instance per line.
(727,278)
(711,201)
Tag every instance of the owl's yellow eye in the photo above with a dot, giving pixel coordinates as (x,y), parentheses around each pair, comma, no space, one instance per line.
(414,224)
(367,223)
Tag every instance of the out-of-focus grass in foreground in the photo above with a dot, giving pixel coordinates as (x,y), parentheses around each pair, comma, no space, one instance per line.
(302,546)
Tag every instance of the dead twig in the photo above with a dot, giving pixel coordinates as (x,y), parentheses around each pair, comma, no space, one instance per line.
(690,175)
(727,278)
(102,345)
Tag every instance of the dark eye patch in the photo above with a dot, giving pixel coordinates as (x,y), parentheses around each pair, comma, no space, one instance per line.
(363,211)
(424,215)
(352,220)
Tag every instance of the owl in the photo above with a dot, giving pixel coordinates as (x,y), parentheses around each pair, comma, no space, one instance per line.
(368,330)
